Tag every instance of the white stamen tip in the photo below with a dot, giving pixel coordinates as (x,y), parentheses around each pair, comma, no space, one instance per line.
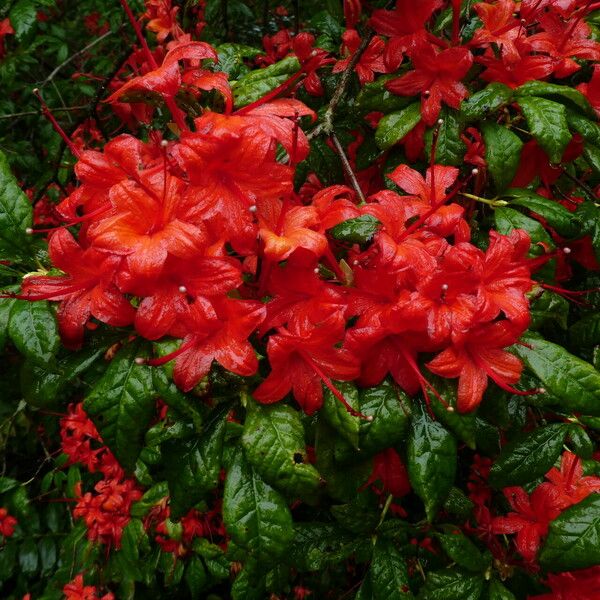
(252,208)
(475,171)
(182,289)
(35,90)
(316,270)
(427,92)
(369,418)
(164,143)
(567,250)
(28,230)
(445,287)
(355,262)
(450,409)
(140,361)
(541,390)
(440,121)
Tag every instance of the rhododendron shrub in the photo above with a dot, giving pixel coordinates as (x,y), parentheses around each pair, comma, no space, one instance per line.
(300,300)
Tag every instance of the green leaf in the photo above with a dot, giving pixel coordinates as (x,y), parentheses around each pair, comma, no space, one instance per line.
(273,442)
(568,379)
(557,92)
(502,153)
(28,557)
(5,308)
(47,549)
(193,465)
(556,215)
(589,130)
(452,584)
(486,101)
(458,504)
(389,573)
(122,404)
(507,219)
(22,17)
(549,308)
(580,442)
(547,121)
(591,153)
(359,230)
(530,457)
(256,516)
(450,149)
(260,82)
(337,416)
(249,584)
(33,329)
(461,550)
(15,213)
(586,332)
(461,424)
(195,577)
(394,126)
(390,408)
(431,455)
(375,97)
(324,162)
(589,214)
(572,541)
(316,545)
(499,592)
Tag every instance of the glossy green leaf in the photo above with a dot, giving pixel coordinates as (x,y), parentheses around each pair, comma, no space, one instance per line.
(502,153)
(498,591)
(525,459)
(461,550)
(450,149)
(390,408)
(586,332)
(195,577)
(375,97)
(336,414)
(547,122)
(549,308)
(249,584)
(580,442)
(23,17)
(431,456)
(122,404)
(389,573)
(507,219)
(256,516)
(273,442)
(573,538)
(486,101)
(556,215)
(394,126)
(560,93)
(359,230)
(452,584)
(5,308)
(589,130)
(589,214)
(28,557)
(15,214)
(193,465)
(256,84)
(34,331)
(570,380)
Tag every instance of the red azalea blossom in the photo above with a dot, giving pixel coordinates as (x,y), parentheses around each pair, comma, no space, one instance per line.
(77,590)
(371,60)
(436,76)
(583,584)
(7,523)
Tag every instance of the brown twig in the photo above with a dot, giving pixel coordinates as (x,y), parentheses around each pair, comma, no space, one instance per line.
(29,113)
(348,167)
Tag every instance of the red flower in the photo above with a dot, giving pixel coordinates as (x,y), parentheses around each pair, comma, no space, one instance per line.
(480,355)
(371,60)
(591,90)
(311,59)
(76,590)
(529,521)
(569,484)
(302,357)
(7,523)
(389,469)
(352,12)
(216,330)
(563,41)
(583,584)
(528,68)
(499,27)
(437,77)
(5,29)
(86,290)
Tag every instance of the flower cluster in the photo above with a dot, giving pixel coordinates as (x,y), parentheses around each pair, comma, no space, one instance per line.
(77,590)
(7,523)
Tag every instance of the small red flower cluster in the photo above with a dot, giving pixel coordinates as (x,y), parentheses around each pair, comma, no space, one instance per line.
(106,510)
(7,523)
(532,512)
(76,590)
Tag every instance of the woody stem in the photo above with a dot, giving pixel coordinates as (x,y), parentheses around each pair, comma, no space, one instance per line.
(348,168)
